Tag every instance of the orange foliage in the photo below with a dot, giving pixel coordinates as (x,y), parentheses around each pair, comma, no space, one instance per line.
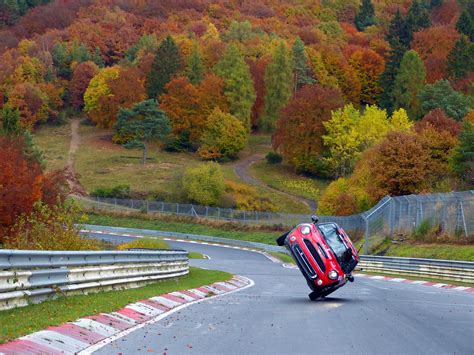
(368,66)
(81,77)
(440,122)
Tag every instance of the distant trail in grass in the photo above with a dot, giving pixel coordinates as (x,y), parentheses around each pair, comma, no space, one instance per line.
(71,177)
(241,169)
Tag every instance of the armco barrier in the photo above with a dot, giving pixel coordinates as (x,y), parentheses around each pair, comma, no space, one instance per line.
(434,268)
(441,269)
(33,276)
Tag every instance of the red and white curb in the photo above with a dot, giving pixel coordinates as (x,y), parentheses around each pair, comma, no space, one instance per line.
(267,255)
(89,334)
(417,282)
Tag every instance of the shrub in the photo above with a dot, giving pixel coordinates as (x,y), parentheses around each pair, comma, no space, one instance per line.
(273,158)
(247,198)
(119,191)
(223,137)
(342,198)
(204,184)
(144,243)
(49,228)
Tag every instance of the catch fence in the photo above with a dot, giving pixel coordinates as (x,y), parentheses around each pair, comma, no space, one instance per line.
(452,213)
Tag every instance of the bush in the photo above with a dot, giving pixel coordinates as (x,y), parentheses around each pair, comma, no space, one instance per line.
(144,243)
(247,198)
(119,191)
(204,184)
(342,198)
(49,228)
(223,137)
(273,158)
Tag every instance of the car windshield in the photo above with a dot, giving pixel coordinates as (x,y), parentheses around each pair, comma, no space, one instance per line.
(329,232)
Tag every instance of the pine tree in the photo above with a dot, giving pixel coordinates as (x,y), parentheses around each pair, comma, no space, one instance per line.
(462,160)
(195,70)
(10,120)
(301,70)
(145,122)
(408,83)
(418,17)
(239,88)
(399,38)
(461,58)
(365,16)
(97,58)
(168,61)
(278,86)
(465,25)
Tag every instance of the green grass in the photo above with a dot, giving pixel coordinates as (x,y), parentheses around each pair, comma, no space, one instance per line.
(101,163)
(54,142)
(195,255)
(182,227)
(284,258)
(281,177)
(421,278)
(21,321)
(144,243)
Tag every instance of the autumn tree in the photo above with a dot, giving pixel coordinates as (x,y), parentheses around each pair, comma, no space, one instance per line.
(10,119)
(168,62)
(408,83)
(278,86)
(257,70)
(301,69)
(195,68)
(369,66)
(109,90)
(461,58)
(204,184)
(439,121)
(400,166)
(366,15)
(188,107)
(145,123)
(224,136)
(302,121)
(238,83)
(31,102)
(148,43)
(81,78)
(418,16)
(441,95)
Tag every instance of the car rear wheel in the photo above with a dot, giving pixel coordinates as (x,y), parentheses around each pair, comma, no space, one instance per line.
(313,296)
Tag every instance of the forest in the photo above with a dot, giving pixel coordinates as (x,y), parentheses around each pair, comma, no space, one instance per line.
(375,96)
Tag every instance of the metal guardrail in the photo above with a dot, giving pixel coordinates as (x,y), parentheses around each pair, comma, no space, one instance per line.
(440,269)
(34,276)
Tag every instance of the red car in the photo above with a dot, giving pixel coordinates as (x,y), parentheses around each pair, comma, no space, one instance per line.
(324,254)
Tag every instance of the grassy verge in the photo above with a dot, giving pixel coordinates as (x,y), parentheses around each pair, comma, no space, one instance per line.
(412,249)
(284,258)
(195,255)
(21,321)
(54,143)
(267,237)
(421,278)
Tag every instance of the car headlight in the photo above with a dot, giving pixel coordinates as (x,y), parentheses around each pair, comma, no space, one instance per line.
(333,274)
(305,230)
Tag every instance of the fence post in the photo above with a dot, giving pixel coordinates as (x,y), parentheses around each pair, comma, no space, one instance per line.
(207,211)
(162,206)
(391,216)
(177,208)
(366,242)
(463,218)
(147,206)
(218,213)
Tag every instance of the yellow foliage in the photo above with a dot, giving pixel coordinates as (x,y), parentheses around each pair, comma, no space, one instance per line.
(247,197)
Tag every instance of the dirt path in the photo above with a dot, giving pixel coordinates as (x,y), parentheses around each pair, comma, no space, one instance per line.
(241,169)
(73,181)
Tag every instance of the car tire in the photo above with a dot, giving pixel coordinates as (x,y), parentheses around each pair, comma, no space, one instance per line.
(313,296)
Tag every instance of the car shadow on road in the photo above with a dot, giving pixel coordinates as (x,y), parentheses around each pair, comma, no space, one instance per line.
(322,301)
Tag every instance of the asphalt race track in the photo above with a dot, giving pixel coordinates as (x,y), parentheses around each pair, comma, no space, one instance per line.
(275,316)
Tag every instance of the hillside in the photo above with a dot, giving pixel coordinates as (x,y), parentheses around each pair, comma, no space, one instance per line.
(284,97)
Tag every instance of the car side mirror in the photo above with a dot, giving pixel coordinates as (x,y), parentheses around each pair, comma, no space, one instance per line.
(315,219)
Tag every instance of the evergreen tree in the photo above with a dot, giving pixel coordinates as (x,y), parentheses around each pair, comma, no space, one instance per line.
(97,58)
(278,84)
(10,120)
(148,43)
(195,70)
(167,63)
(462,160)
(365,16)
(461,58)
(399,38)
(145,122)
(465,25)
(239,88)
(408,83)
(301,70)
(418,17)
